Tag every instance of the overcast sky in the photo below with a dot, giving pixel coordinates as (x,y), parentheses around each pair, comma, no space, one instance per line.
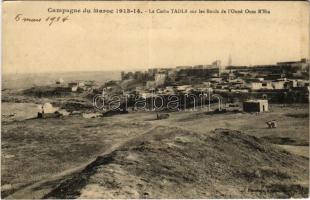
(123,42)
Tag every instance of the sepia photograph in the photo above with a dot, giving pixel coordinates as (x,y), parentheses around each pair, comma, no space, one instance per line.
(155,100)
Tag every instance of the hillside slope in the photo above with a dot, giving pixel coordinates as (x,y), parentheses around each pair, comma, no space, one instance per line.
(175,163)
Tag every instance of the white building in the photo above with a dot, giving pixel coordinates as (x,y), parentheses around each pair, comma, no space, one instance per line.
(260,105)
(160,79)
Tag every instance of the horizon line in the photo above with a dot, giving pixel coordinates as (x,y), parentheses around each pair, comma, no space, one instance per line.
(139,69)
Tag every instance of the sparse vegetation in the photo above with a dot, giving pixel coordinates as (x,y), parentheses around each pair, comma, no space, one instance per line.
(36,159)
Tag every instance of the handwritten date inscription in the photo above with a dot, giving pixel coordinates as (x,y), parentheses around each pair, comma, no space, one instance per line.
(49,20)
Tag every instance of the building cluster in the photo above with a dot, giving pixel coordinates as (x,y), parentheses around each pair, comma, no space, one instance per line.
(75,86)
(283,82)
(279,78)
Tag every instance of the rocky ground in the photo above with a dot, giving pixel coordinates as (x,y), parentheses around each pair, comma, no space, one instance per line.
(189,155)
(174,163)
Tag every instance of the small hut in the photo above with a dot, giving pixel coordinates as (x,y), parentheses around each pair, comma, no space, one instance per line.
(259,105)
(48,111)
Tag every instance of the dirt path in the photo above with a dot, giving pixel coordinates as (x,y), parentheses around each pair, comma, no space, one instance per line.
(149,166)
(39,189)
(120,129)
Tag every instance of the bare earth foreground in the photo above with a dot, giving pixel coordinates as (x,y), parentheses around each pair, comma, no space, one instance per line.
(189,155)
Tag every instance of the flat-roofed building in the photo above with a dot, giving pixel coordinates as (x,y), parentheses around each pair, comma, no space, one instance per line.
(259,105)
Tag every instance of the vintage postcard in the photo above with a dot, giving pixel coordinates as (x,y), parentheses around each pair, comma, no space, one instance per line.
(155,99)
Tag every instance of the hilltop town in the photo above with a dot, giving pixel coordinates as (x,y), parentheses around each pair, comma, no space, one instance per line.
(137,137)
(284,82)
(187,86)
